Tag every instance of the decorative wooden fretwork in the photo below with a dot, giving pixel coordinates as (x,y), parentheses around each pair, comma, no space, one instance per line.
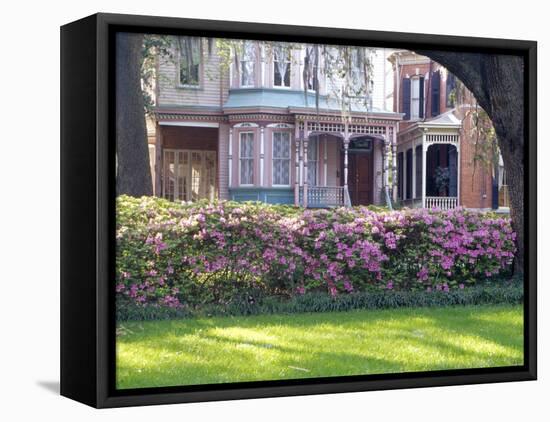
(246,124)
(280,125)
(367,130)
(452,139)
(264,117)
(161,116)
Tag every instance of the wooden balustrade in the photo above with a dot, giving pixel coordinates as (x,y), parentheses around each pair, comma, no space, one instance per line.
(442,202)
(324,196)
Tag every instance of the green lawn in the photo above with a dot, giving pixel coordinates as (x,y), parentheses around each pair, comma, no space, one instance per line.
(270,347)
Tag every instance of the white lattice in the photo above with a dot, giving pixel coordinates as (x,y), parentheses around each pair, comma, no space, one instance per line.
(370,130)
(442,139)
(325,127)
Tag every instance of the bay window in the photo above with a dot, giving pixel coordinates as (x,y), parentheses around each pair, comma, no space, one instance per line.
(281,158)
(246,158)
(281,67)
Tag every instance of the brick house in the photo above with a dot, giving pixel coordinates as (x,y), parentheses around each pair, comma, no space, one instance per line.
(436,136)
(250,131)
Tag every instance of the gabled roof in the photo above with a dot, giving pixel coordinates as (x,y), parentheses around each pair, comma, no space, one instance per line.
(447,120)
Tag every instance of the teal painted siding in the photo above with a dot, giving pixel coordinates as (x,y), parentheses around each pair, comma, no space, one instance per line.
(268,195)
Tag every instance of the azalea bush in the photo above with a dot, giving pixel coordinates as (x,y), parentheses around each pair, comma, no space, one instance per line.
(175,255)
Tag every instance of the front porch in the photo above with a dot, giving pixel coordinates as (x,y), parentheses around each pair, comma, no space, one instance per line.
(428,164)
(357,174)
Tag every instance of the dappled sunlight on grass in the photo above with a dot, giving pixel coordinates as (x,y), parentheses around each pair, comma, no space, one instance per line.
(269,347)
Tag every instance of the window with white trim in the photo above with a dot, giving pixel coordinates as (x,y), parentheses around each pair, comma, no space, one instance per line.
(189,52)
(415,98)
(246,157)
(247,64)
(281,67)
(281,158)
(312,160)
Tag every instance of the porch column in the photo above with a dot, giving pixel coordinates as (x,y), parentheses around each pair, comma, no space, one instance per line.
(413,193)
(262,156)
(388,165)
(304,170)
(230,158)
(325,160)
(346,146)
(158,161)
(297,171)
(424,151)
(458,173)
(394,169)
(404,190)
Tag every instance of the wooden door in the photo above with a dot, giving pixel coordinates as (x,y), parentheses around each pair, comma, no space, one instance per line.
(360,178)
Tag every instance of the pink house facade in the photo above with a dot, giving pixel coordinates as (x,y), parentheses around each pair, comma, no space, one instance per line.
(251,132)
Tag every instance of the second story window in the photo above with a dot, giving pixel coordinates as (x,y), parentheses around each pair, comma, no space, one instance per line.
(450,90)
(246,154)
(281,68)
(413,98)
(281,158)
(189,49)
(247,64)
(310,77)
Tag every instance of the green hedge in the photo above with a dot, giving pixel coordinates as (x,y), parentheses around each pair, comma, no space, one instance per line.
(510,292)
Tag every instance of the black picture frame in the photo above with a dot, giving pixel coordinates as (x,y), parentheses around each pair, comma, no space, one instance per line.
(87,211)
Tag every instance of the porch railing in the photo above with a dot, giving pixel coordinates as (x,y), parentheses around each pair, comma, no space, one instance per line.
(324,196)
(442,202)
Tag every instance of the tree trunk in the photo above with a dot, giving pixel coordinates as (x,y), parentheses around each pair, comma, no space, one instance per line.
(497,83)
(133,171)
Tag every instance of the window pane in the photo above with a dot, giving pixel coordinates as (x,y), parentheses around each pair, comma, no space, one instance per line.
(189,60)
(169,175)
(182,176)
(196,175)
(281,158)
(247,157)
(312,155)
(247,64)
(415,98)
(281,67)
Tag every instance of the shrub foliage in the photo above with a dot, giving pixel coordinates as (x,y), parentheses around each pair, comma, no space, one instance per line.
(180,256)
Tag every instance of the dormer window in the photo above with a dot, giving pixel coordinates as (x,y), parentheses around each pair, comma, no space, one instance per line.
(247,64)
(189,52)
(281,67)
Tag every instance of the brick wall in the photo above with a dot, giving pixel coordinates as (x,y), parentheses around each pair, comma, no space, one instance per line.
(475,177)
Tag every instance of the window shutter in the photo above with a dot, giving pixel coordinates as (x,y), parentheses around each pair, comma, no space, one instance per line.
(406,108)
(421,99)
(436,83)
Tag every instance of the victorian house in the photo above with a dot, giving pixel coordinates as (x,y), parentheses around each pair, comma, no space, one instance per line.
(250,130)
(440,162)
